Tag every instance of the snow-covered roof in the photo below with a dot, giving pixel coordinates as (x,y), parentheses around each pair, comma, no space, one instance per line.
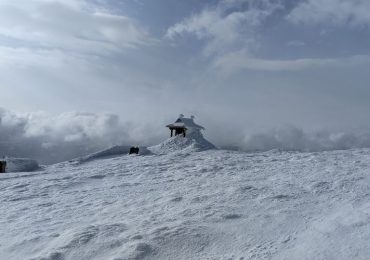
(185,122)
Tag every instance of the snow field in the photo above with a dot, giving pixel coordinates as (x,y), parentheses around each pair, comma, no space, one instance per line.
(212,204)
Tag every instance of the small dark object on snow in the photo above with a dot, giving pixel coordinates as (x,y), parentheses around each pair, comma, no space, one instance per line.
(134,150)
(2,166)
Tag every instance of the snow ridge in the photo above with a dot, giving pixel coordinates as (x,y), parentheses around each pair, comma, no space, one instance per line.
(110,152)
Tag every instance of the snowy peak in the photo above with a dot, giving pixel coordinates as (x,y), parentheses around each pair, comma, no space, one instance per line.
(194,141)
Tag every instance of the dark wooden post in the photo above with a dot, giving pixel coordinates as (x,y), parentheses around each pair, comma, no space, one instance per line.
(2,166)
(171,132)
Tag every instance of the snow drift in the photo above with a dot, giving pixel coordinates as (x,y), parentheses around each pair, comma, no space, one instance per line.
(194,141)
(110,152)
(215,204)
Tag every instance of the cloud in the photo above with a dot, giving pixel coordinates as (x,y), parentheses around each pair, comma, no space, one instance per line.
(227,26)
(57,54)
(295,139)
(296,43)
(73,26)
(232,31)
(240,60)
(354,13)
(23,57)
(65,136)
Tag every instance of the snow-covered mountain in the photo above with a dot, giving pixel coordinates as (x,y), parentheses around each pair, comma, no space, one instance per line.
(187,203)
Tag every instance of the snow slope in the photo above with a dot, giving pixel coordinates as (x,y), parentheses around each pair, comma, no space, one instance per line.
(110,152)
(212,204)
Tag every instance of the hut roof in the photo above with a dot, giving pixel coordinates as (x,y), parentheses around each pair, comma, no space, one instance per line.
(183,122)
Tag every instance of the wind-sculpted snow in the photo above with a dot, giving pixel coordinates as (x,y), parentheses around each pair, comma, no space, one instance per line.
(194,141)
(212,204)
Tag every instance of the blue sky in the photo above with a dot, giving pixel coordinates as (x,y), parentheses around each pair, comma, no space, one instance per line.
(236,64)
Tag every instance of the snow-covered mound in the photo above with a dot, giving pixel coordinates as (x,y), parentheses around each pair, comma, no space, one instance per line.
(214,204)
(110,152)
(21,165)
(194,141)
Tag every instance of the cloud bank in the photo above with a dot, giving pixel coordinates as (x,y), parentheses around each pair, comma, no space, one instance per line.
(51,139)
(62,137)
(295,139)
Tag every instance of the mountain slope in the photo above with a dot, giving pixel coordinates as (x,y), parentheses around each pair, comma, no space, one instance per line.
(212,204)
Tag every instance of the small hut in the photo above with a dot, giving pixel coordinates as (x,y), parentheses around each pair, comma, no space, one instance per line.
(182,125)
